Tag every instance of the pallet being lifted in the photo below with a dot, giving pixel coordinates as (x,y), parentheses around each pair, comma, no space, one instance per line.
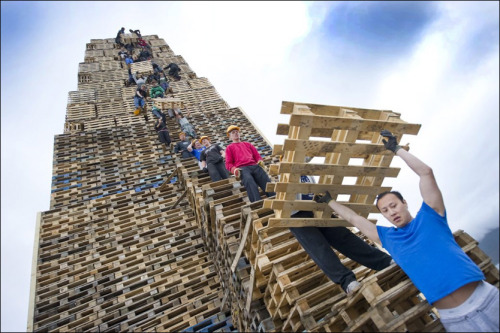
(347,134)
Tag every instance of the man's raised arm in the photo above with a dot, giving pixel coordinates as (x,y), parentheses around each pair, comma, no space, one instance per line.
(365,226)
(431,194)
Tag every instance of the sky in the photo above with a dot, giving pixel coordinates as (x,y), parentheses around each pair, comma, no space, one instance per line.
(436,63)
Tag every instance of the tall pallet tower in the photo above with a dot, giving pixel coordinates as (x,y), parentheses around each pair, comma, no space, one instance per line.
(137,239)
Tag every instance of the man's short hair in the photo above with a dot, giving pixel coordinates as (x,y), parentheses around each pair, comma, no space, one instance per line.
(383,194)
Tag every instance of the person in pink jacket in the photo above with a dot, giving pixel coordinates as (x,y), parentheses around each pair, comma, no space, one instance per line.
(244,161)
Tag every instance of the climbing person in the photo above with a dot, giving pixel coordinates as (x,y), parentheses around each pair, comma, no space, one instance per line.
(212,160)
(184,123)
(129,60)
(181,146)
(318,243)
(118,39)
(123,53)
(137,32)
(156,91)
(196,148)
(140,97)
(244,161)
(424,247)
(163,134)
(174,70)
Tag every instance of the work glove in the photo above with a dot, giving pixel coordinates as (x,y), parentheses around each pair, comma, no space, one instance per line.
(261,164)
(205,170)
(392,143)
(325,198)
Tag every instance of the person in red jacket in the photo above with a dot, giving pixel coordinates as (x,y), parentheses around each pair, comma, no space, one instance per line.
(244,161)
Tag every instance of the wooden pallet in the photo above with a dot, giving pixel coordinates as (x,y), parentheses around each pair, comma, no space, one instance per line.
(348,129)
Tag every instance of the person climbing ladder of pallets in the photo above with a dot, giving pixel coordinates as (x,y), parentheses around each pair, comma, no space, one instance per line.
(318,243)
(173,70)
(424,247)
(212,160)
(141,94)
(244,161)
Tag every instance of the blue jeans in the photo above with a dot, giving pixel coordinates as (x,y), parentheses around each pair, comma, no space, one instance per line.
(253,177)
(139,102)
(318,243)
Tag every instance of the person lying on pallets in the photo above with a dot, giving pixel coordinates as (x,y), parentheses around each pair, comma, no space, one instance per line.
(318,243)
(424,247)
(244,161)
(212,160)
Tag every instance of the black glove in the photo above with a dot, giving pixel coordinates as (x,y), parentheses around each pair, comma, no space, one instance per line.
(325,198)
(205,170)
(392,144)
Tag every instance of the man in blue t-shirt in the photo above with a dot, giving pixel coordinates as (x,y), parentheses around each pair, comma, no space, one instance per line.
(424,247)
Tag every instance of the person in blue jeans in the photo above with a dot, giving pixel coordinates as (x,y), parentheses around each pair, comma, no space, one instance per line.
(140,96)
(319,243)
(425,249)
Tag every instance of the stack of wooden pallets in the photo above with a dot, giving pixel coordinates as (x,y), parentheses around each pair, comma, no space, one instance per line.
(138,239)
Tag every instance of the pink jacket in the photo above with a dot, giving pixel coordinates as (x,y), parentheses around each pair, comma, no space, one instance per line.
(239,154)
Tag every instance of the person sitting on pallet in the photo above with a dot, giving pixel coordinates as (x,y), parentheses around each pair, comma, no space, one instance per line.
(174,70)
(156,91)
(424,247)
(162,130)
(244,161)
(196,148)
(140,98)
(181,146)
(318,243)
(118,39)
(212,160)
(185,125)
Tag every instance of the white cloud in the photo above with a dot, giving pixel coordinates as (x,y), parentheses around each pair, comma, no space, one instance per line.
(257,54)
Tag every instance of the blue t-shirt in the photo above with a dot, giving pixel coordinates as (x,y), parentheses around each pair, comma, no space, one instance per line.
(427,252)
(197,152)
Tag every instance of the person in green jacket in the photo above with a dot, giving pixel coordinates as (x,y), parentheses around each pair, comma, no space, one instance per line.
(156,91)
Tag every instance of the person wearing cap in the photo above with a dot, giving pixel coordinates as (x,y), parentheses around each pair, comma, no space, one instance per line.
(196,148)
(181,146)
(212,160)
(244,161)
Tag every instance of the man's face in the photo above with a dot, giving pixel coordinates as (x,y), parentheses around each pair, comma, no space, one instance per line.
(197,145)
(205,142)
(394,210)
(234,135)
(182,137)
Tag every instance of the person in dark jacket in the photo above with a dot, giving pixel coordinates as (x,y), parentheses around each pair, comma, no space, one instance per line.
(212,160)
(181,146)
(163,134)
(173,70)
(118,39)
